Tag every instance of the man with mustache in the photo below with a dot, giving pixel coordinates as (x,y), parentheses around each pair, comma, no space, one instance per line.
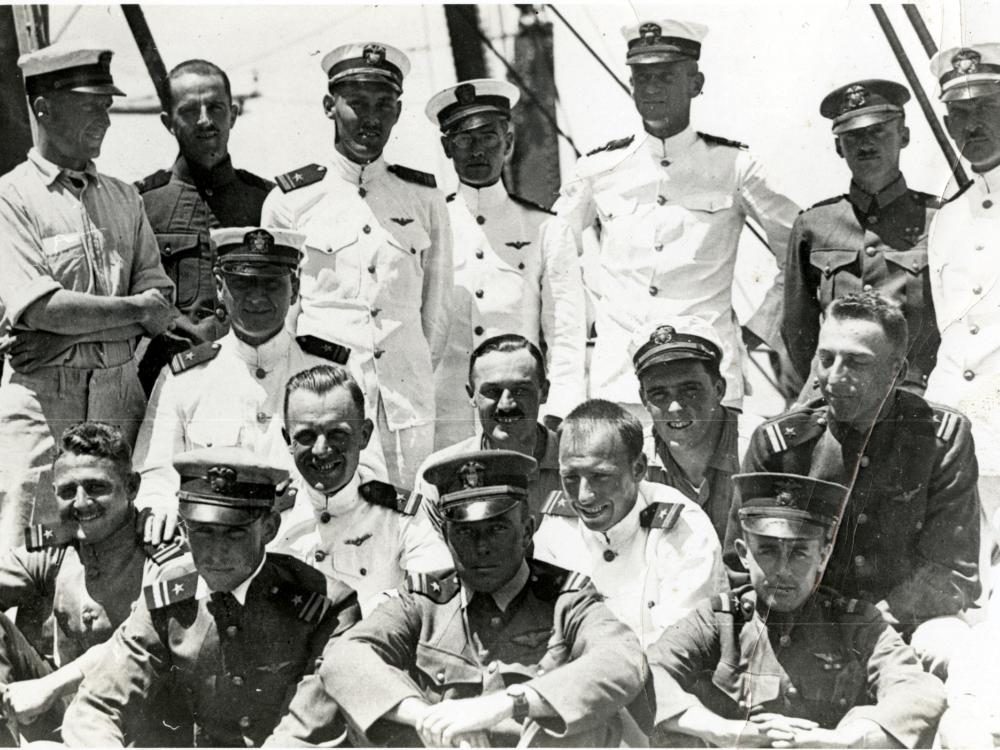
(909,537)
(507,386)
(516,268)
(82,574)
(357,530)
(651,552)
(874,237)
(377,273)
(200,192)
(81,281)
(783,661)
(694,444)
(671,204)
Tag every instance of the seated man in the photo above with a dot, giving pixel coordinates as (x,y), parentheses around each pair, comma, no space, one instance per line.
(782,662)
(507,385)
(694,444)
(83,573)
(500,650)
(357,531)
(909,538)
(234,633)
(650,551)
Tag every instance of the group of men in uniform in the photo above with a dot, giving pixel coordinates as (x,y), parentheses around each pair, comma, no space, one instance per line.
(364,555)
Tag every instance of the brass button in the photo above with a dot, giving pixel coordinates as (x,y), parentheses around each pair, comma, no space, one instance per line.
(866,288)
(375,311)
(864,461)
(261,373)
(232,630)
(987,203)
(496,622)
(478,330)
(363,571)
(919,525)
(378,353)
(245,722)
(520,266)
(209,192)
(872,220)
(968,374)
(842,701)
(661,199)
(973,329)
(413,251)
(870,251)
(653,291)
(977,289)
(859,560)
(479,254)
(785,640)
(980,247)
(609,555)
(362,192)
(325,517)
(320,555)
(492,667)
(658,247)
(371,268)
(664,162)
(650,604)
(237,680)
(480,220)
(792,691)
(366,229)
(479,293)
(261,417)
(862,518)
(440,676)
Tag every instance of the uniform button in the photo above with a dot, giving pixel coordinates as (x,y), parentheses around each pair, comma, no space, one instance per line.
(237,680)
(261,417)
(987,203)
(661,199)
(478,330)
(915,266)
(785,640)
(821,421)
(375,311)
(520,266)
(479,293)
(492,667)
(366,229)
(480,220)
(232,630)
(320,555)
(658,247)
(378,353)
(325,517)
(977,289)
(864,461)
(973,329)
(862,518)
(371,268)
(440,676)
(968,374)
(261,373)
(980,247)
(479,254)
(363,571)
(609,555)
(859,560)
(842,701)
(362,192)
(791,692)
(653,291)
(919,525)
(872,220)
(866,288)
(496,622)
(413,251)
(245,722)
(208,191)
(540,672)
(870,251)
(828,270)
(664,162)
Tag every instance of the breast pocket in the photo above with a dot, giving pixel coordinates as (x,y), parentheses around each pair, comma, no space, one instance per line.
(400,263)
(333,261)
(839,272)
(182,260)
(215,433)
(910,266)
(66,257)
(740,685)
(446,672)
(351,559)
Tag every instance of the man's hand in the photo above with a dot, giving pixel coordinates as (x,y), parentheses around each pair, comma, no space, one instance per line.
(816,737)
(28,350)
(28,699)
(775,730)
(157,312)
(157,525)
(444,724)
(475,739)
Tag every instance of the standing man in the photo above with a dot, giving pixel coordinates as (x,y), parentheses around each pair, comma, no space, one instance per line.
(784,660)
(516,269)
(377,274)
(909,538)
(81,282)
(497,652)
(671,203)
(233,634)
(874,237)
(650,551)
(200,192)
(694,443)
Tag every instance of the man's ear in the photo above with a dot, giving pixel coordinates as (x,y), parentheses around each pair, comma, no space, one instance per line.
(947,126)
(234,112)
(839,148)
(543,393)
(399,111)
(639,467)
(40,106)
(295,289)
(132,482)
(742,551)
(696,83)
(446,145)
(508,143)
(529,526)
(167,121)
(904,136)
(366,432)
(720,388)
(329,105)
(271,524)
(471,393)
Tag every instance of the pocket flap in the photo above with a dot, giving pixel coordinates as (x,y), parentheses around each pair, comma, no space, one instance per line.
(710,202)
(177,244)
(443,668)
(611,205)
(912,261)
(330,242)
(831,261)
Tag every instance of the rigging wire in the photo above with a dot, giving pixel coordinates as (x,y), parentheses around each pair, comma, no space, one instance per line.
(590,49)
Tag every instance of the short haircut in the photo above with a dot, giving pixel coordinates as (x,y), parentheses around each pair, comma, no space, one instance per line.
(99,440)
(201,68)
(873,307)
(508,342)
(597,414)
(322,379)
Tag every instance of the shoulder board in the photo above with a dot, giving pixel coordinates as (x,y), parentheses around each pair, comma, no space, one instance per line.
(413,175)
(557,504)
(718,141)
(827,202)
(387,496)
(450,197)
(167,551)
(947,423)
(790,430)
(660,516)
(307,605)
(439,587)
(849,606)
(41,536)
(300,177)
(153,181)
(531,204)
(170,591)
(324,349)
(195,356)
(550,581)
(249,178)
(613,145)
(574,582)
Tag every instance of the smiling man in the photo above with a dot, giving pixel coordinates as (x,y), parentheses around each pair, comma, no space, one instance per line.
(874,237)
(909,538)
(377,273)
(200,192)
(784,662)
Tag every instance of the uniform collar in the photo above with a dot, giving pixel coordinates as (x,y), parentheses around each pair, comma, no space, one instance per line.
(240,592)
(490,196)
(267,356)
(221,174)
(622,532)
(119,545)
(354,173)
(339,502)
(988,182)
(504,595)
(672,147)
(50,171)
(721,458)
(868,203)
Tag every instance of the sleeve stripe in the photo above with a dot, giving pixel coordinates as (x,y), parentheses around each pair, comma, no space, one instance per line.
(775,438)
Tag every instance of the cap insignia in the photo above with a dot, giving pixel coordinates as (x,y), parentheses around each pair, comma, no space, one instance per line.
(663,335)
(854,98)
(650,33)
(222,479)
(465,94)
(374,54)
(786,489)
(259,241)
(472,474)
(966,61)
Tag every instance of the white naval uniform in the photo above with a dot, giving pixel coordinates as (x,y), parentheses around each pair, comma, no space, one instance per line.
(377,278)
(656,575)
(223,402)
(671,213)
(362,544)
(516,271)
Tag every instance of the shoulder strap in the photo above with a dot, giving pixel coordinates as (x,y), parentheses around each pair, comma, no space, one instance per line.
(412,175)
(156,180)
(531,204)
(300,177)
(613,145)
(194,356)
(660,516)
(387,496)
(324,349)
(439,587)
(171,590)
(716,140)
(557,504)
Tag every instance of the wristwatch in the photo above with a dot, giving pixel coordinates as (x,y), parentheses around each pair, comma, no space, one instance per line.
(516,693)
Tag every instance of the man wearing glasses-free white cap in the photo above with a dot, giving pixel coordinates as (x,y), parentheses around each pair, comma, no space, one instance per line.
(671,203)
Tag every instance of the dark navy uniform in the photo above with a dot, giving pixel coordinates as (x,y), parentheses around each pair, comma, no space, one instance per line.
(183,203)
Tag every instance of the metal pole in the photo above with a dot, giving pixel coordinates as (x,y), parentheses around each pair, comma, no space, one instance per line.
(917,21)
(918,91)
(150,54)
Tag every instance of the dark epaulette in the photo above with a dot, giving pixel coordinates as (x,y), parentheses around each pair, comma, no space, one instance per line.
(845,605)
(194,356)
(323,349)
(300,177)
(660,516)
(306,604)
(613,145)
(155,180)
(249,178)
(947,422)
(791,429)
(531,204)
(387,496)
(656,474)
(166,551)
(41,536)
(550,581)
(827,202)
(171,590)
(557,504)
(413,175)
(730,602)
(440,586)
(719,141)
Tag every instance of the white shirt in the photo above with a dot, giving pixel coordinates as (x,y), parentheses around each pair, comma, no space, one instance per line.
(671,213)
(656,575)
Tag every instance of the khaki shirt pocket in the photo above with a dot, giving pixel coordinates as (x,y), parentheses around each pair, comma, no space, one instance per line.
(181,257)
(66,257)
